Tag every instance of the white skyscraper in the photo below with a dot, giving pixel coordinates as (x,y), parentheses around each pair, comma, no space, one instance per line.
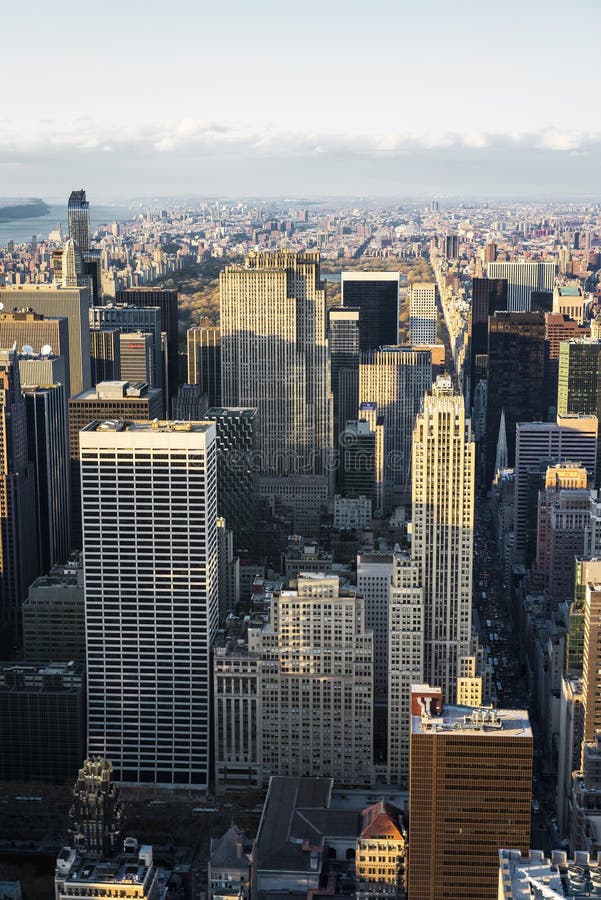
(523,277)
(274,356)
(405,659)
(149,506)
(443,531)
(422,313)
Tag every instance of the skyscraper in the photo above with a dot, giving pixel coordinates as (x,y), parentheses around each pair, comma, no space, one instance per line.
(344,342)
(204,361)
(128,320)
(46,412)
(405,625)
(106,358)
(274,356)
(396,379)
(489,295)
(166,300)
(376,296)
(18,531)
(422,313)
(539,444)
(78,216)
(469,794)
(53,302)
(37,331)
(516,378)
(108,400)
(523,277)
(316,685)
(136,351)
(579,380)
(443,530)
(234,443)
(149,505)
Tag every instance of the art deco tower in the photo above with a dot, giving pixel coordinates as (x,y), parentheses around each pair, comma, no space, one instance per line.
(274,356)
(443,530)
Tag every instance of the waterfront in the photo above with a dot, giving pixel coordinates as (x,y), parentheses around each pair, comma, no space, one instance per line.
(21,230)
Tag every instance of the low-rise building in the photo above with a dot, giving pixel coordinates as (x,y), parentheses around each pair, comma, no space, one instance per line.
(229,865)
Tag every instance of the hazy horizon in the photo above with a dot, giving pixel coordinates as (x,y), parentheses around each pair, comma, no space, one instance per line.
(399,99)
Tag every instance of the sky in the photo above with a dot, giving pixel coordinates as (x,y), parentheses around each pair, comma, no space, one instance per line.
(307,99)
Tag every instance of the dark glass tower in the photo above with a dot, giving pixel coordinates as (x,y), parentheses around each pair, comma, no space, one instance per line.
(489,295)
(516,378)
(78,215)
(344,366)
(376,296)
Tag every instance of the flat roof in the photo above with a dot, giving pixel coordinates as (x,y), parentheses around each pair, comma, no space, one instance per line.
(160,427)
(474,720)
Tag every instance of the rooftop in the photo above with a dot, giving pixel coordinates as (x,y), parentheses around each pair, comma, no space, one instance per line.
(535,877)
(156,425)
(475,720)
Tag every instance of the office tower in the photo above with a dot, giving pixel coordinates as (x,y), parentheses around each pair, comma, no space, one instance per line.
(54,302)
(538,445)
(368,412)
(128,320)
(136,350)
(204,361)
(559,328)
(29,329)
(274,356)
(316,689)
(96,817)
(490,252)
(405,623)
(523,278)
(18,527)
(443,530)
(344,341)
(35,368)
(569,300)
(47,447)
(190,404)
(150,548)
(54,616)
(71,266)
(422,313)
(78,217)
(166,300)
(376,296)
(451,246)
(579,379)
(229,571)
(357,460)
(489,295)
(374,577)
(235,436)
(106,358)
(470,792)
(591,661)
(563,516)
(396,380)
(42,721)
(108,400)
(516,379)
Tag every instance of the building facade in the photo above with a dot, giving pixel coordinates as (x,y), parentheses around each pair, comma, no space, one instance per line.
(443,530)
(274,356)
(149,502)
(376,296)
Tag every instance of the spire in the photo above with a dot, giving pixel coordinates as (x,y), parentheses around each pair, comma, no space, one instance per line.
(501,458)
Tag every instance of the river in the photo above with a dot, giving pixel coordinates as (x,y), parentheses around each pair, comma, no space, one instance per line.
(21,230)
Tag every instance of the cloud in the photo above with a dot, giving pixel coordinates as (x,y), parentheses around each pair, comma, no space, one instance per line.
(195,136)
